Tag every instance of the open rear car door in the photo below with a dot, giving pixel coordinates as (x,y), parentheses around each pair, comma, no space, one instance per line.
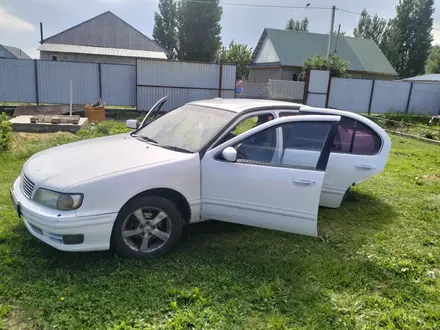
(253,180)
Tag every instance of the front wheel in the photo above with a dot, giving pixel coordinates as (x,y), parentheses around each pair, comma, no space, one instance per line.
(147,227)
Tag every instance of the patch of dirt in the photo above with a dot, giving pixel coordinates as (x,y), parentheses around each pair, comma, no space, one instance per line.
(23,138)
(432,177)
(15,321)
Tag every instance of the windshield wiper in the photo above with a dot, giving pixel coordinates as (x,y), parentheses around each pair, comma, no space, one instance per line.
(144,138)
(175,148)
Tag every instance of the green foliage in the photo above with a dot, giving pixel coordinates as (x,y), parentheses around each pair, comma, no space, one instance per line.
(5,133)
(433,61)
(374,28)
(412,118)
(237,54)
(199,30)
(165,26)
(104,128)
(294,25)
(336,65)
(410,37)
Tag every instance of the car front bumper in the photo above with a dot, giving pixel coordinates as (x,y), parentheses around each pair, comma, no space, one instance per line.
(63,230)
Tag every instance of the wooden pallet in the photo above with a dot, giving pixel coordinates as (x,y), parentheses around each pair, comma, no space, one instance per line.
(54,119)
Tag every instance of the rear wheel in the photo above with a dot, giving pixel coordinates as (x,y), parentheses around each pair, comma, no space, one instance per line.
(346,194)
(147,227)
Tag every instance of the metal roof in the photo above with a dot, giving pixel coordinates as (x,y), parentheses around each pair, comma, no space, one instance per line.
(433,77)
(239,105)
(17,52)
(293,47)
(46,47)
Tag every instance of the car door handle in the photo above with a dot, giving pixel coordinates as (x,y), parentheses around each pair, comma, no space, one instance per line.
(304,182)
(365,167)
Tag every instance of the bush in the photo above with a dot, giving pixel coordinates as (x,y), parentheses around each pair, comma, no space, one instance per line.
(5,133)
(108,127)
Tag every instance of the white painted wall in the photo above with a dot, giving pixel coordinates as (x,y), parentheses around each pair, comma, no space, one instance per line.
(286,90)
(267,53)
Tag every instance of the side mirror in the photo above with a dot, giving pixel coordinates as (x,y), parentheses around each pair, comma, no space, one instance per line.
(230,154)
(132,123)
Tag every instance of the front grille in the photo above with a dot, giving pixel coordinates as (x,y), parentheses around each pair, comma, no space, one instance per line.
(27,186)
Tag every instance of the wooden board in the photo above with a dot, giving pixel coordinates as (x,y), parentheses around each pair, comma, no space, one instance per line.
(55,119)
(32,110)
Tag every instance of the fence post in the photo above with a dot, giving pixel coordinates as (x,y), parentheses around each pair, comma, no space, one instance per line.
(328,88)
(100,81)
(306,86)
(220,80)
(36,83)
(409,97)
(136,82)
(371,96)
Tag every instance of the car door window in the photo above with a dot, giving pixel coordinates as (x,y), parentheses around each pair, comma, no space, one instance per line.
(259,147)
(366,141)
(246,124)
(302,144)
(344,136)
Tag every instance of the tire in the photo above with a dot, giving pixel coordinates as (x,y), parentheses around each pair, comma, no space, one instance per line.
(155,235)
(345,195)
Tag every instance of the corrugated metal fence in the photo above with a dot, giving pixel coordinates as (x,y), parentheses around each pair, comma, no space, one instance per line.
(183,82)
(141,85)
(376,96)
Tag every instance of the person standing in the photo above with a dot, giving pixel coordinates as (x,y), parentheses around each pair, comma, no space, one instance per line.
(239,88)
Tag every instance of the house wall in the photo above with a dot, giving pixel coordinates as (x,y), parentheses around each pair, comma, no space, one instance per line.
(88,58)
(267,53)
(106,30)
(372,76)
(5,54)
(263,75)
(287,73)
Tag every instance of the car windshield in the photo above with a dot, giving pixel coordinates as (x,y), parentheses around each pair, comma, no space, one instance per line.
(188,127)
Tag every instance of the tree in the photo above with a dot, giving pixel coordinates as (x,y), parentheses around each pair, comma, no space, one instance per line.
(199,30)
(336,65)
(433,62)
(236,54)
(410,36)
(293,25)
(371,28)
(165,27)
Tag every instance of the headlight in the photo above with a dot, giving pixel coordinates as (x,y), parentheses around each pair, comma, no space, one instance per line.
(58,200)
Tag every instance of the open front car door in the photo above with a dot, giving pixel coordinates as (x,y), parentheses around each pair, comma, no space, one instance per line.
(256,178)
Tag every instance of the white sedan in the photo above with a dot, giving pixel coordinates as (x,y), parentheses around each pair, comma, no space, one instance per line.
(256,162)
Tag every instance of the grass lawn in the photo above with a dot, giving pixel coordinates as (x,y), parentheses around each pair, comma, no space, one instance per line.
(376,264)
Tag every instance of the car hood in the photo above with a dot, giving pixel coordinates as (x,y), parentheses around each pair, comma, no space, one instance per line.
(59,167)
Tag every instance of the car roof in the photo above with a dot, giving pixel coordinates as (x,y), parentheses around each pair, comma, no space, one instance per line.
(239,105)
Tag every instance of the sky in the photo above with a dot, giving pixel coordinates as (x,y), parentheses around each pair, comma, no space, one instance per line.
(20,19)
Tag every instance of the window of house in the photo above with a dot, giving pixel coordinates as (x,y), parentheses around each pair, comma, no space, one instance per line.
(366,141)
(295,77)
(54,58)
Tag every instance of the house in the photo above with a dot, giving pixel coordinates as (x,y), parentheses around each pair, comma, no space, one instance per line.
(279,55)
(432,78)
(13,52)
(105,38)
